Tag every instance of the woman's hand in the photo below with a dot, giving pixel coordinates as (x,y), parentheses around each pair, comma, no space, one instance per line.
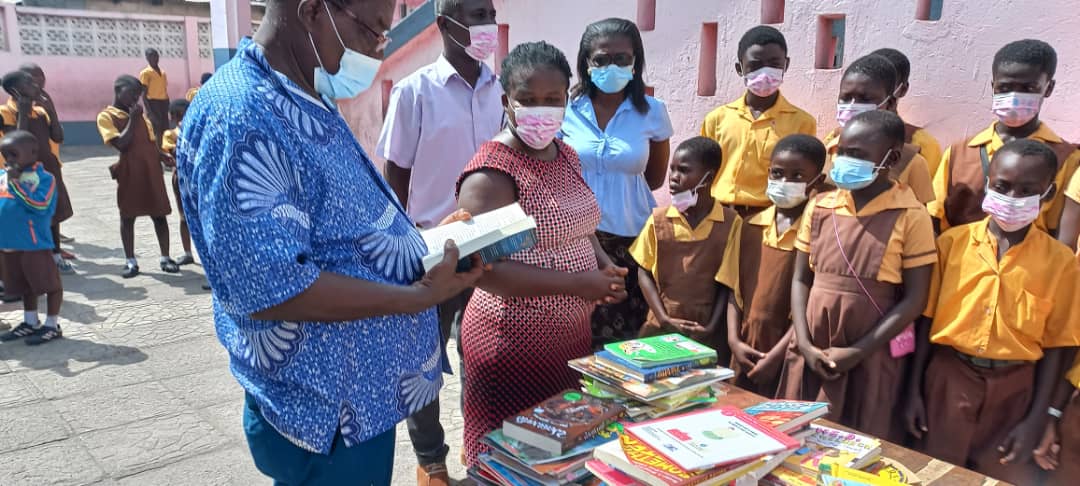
(606,286)
(443,281)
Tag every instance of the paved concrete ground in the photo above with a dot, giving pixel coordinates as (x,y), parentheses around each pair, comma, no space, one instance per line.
(138,392)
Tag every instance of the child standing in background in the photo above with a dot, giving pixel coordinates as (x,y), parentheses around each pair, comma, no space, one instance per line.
(689,252)
(871,83)
(749,127)
(155,93)
(999,302)
(1023,77)
(759,331)
(1059,450)
(27,204)
(929,147)
(177,109)
(865,253)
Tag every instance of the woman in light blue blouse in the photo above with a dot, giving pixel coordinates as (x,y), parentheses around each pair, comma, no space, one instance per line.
(622,137)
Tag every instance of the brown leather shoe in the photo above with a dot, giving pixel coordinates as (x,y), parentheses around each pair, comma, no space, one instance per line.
(432,475)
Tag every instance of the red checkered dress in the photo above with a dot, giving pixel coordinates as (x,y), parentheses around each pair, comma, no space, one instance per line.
(516,349)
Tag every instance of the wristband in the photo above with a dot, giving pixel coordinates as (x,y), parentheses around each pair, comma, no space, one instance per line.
(1055,413)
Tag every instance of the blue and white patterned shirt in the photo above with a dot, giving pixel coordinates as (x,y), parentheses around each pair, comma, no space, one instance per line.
(276,189)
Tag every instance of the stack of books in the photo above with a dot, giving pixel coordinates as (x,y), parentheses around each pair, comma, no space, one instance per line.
(652,377)
(710,447)
(549,444)
(827,447)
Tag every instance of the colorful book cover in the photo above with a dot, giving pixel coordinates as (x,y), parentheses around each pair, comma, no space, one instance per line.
(650,467)
(711,438)
(563,421)
(669,349)
(650,392)
(506,475)
(833,475)
(632,371)
(787,415)
(786,477)
(892,470)
(832,446)
(533,457)
(609,475)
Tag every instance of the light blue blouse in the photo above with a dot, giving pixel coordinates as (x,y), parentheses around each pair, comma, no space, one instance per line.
(613,160)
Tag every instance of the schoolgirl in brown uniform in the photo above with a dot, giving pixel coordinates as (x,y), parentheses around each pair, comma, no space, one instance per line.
(21,113)
(865,253)
(1023,77)
(759,331)
(140,179)
(929,147)
(689,252)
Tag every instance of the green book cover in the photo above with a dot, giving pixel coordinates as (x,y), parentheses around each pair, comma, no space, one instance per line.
(660,350)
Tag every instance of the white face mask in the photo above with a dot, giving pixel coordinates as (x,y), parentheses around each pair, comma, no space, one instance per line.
(786,195)
(685,200)
(356,72)
(483,40)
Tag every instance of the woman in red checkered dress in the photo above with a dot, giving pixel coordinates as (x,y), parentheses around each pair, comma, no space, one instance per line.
(530,314)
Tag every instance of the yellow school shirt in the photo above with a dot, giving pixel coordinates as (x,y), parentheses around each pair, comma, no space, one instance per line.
(109,131)
(916,175)
(644,248)
(929,149)
(747,145)
(157,83)
(9,115)
(772,238)
(191,94)
(911,243)
(989,137)
(169,139)
(1074,374)
(1010,309)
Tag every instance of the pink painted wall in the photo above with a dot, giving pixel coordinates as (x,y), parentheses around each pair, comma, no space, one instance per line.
(83,86)
(951,58)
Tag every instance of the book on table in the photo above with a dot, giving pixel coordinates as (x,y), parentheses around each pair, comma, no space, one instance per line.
(833,446)
(645,464)
(650,392)
(788,415)
(633,371)
(711,438)
(657,351)
(537,458)
(493,235)
(563,421)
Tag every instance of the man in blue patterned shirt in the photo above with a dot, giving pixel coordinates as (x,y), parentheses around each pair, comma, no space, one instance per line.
(319,291)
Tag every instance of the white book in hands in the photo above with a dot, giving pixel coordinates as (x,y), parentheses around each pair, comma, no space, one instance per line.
(493,235)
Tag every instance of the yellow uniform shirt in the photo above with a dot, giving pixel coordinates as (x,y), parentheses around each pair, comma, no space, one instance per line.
(1010,309)
(911,243)
(191,94)
(157,83)
(9,115)
(747,145)
(929,149)
(108,129)
(989,137)
(1072,189)
(169,139)
(916,175)
(644,248)
(1074,374)
(770,236)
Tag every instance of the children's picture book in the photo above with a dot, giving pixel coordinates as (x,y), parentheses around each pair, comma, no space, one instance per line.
(786,477)
(657,351)
(632,371)
(710,438)
(494,235)
(644,464)
(833,446)
(834,475)
(534,457)
(788,415)
(563,421)
(773,461)
(651,392)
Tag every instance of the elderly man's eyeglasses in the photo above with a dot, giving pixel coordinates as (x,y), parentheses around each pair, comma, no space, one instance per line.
(382,39)
(601,60)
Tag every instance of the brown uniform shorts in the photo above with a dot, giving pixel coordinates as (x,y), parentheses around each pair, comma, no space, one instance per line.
(30,273)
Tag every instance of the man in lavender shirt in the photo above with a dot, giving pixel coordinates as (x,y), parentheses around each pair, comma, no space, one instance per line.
(437,119)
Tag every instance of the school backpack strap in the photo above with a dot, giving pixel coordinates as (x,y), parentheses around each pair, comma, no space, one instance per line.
(985,157)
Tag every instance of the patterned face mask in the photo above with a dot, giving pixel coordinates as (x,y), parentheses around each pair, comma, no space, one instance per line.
(1015,109)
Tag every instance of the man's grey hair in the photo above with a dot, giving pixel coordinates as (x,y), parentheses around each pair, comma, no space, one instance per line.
(447,7)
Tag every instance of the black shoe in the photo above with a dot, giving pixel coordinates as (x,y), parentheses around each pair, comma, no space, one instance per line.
(20,331)
(206,287)
(44,334)
(130,271)
(185,260)
(170,266)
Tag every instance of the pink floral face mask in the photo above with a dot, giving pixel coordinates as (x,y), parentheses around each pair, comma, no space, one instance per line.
(483,40)
(536,126)
(1016,109)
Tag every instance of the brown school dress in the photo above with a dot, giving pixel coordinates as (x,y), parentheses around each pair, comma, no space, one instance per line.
(39,127)
(686,274)
(959,395)
(1068,469)
(140,188)
(839,314)
(967,181)
(765,275)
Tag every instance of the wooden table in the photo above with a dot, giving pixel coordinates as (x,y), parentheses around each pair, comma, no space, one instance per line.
(931,471)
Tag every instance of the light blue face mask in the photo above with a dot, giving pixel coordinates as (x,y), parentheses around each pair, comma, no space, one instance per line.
(852,174)
(612,78)
(356,74)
